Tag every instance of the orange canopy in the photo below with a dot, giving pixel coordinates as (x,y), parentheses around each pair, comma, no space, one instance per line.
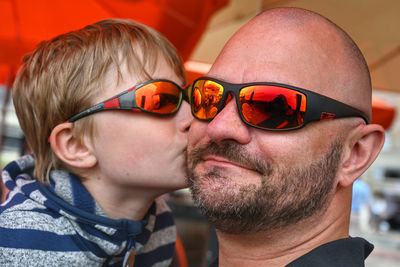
(24,23)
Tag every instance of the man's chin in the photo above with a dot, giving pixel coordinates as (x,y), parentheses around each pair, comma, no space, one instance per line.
(211,193)
(227,181)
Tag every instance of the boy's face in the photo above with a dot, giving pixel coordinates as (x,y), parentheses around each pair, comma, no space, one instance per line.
(138,150)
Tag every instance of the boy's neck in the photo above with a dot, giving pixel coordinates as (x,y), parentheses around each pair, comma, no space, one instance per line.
(120,202)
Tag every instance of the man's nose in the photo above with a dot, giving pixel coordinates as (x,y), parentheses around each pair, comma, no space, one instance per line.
(228,125)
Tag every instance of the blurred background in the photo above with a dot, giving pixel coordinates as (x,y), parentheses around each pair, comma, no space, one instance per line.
(199,29)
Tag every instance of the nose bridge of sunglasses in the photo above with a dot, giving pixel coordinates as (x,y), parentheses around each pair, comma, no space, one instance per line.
(226,98)
(229,97)
(232,92)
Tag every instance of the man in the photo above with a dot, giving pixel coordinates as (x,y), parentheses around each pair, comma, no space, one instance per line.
(277,182)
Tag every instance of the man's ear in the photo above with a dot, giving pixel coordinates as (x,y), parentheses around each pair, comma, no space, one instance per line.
(362,146)
(71,150)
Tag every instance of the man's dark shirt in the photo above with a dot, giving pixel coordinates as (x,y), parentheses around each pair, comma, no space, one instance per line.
(347,252)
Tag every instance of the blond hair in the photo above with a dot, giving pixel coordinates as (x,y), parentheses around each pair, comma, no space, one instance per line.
(63,75)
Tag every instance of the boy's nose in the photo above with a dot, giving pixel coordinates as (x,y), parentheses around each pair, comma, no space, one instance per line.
(185,117)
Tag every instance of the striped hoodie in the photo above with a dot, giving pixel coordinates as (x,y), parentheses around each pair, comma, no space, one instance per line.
(60,224)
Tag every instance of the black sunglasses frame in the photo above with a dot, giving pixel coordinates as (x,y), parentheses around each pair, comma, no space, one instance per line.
(318,107)
(127,101)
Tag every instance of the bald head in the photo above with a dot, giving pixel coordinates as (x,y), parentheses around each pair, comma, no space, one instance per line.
(300,48)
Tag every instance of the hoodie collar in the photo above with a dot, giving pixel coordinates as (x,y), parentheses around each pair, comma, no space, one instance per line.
(66,196)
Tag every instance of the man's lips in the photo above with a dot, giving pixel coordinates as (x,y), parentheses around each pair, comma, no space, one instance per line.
(217,160)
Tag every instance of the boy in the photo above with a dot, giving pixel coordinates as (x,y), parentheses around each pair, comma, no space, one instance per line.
(102,111)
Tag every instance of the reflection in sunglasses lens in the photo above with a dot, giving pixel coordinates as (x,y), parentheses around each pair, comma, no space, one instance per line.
(158,97)
(272,107)
(206,98)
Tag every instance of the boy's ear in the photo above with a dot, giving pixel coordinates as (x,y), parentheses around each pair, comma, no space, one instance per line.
(361,149)
(70,149)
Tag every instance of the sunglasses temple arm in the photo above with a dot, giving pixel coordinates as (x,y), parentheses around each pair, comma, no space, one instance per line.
(87,112)
(328,108)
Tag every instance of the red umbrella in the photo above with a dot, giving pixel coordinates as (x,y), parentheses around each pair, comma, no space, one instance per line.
(24,23)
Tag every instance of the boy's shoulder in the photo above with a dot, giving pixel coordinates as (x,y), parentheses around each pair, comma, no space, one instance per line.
(25,219)
(30,231)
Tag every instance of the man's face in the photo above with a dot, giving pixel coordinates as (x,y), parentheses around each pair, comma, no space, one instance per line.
(248,180)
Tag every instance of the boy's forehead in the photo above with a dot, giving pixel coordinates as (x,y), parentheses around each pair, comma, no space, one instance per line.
(117,80)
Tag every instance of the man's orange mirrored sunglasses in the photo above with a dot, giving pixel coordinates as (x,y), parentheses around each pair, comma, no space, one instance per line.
(265,105)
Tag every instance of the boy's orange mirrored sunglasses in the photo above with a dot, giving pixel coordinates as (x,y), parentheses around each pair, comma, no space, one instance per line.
(159,97)
(265,105)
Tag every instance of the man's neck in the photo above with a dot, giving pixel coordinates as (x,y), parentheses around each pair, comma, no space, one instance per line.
(281,247)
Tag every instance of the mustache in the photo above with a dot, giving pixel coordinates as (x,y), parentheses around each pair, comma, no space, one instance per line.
(231,151)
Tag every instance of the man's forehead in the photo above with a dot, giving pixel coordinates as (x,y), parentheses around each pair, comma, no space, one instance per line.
(282,70)
(294,57)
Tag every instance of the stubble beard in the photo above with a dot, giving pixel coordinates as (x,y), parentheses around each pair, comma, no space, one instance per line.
(284,197)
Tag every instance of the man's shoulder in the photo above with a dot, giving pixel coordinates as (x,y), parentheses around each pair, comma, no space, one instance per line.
(346,252)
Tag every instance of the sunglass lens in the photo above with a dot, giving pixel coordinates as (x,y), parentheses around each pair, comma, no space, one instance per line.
(272,107)
(206,97)
(159,97)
